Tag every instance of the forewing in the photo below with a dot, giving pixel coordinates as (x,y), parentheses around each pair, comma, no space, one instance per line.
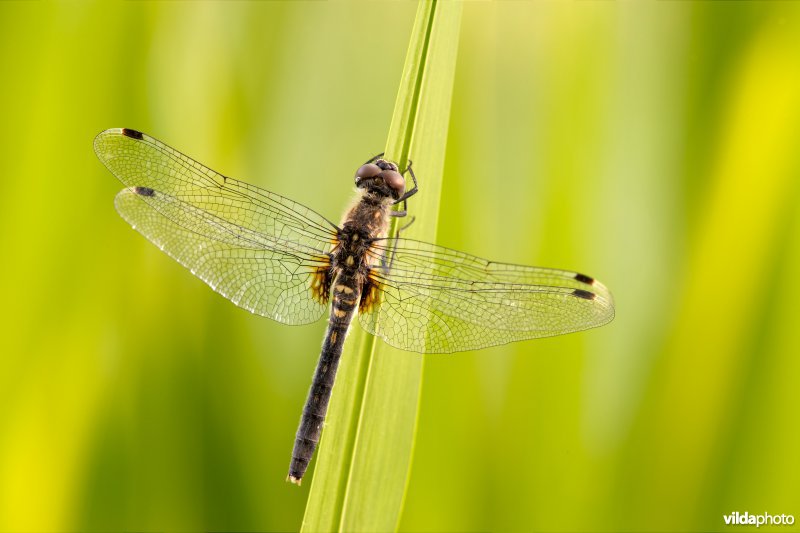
(256,248)
(437,300)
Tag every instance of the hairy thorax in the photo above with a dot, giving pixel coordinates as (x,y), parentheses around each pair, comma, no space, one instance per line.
(366,221)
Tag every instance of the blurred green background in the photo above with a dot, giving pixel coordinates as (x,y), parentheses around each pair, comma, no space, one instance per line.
(653,145)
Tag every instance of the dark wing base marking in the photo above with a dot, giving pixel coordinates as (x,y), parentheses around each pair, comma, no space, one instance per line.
(321,283)
(370,295)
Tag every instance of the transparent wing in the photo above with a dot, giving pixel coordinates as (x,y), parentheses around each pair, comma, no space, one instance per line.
(254,247)
(437,300)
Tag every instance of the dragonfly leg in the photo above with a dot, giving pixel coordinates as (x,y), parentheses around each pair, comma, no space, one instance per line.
(414,190)
(411,192)
(374,158)
(386,268)
(406,226)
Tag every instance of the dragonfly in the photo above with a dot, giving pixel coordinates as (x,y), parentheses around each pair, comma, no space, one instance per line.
(280,259)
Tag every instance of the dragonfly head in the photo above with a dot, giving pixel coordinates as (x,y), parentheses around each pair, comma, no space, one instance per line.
(382,178)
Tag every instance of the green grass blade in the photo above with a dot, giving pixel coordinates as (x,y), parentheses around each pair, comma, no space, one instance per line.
(363,462)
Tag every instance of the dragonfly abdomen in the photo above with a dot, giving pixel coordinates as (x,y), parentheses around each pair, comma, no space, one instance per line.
(350,263)
(346,296)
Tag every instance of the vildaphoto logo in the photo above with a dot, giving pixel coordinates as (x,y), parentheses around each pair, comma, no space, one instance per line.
(746,519)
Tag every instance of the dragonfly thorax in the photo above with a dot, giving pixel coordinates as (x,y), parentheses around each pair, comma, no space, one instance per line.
(352,249)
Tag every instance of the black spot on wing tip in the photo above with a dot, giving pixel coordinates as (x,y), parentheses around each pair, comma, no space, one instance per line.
(583,278)
(144,191)
(586,295)
(133,134)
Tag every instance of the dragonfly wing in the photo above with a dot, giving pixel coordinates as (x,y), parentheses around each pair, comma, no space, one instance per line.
(254,247)
(411,255)
(231,210)
(437,300)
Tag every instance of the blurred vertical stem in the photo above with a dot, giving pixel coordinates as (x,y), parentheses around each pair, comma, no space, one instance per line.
(362,465)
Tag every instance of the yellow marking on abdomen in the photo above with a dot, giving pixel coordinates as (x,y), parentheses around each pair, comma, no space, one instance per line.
(344,288)
(339,313)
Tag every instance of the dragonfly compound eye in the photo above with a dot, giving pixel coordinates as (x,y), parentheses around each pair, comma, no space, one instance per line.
(370,170)
(395,181)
